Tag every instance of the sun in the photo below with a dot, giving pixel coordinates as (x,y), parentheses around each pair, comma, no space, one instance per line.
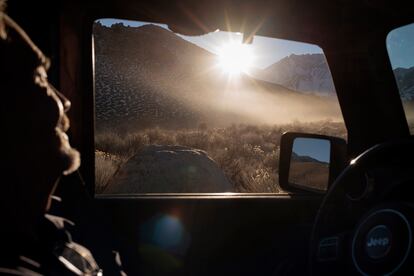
(235,58)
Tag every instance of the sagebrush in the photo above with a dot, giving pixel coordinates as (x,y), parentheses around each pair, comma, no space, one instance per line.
(248,154)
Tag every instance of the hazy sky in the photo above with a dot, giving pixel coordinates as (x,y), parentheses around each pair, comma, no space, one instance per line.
(400,45)
(266,50)
(318,149)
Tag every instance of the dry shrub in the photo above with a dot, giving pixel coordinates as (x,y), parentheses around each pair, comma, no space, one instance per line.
(105,167)
(248,155)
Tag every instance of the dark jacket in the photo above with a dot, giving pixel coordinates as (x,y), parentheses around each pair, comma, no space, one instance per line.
(50,252)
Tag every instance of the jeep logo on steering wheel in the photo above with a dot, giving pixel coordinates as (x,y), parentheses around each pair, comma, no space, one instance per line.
(378,242)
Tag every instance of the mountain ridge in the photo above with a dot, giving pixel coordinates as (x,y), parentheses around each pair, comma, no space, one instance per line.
(405,82)
(309,73)
(305,158)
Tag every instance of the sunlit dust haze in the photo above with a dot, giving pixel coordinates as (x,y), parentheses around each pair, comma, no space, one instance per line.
(155,77)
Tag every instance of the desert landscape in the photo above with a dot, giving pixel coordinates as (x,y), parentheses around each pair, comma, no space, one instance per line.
(160,97)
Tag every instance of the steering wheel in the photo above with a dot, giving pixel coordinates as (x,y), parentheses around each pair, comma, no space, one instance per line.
(365,222)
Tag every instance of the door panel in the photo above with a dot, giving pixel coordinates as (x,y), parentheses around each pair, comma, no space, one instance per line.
(198,235)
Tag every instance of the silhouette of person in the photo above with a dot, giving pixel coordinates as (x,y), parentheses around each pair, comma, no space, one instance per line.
(35,153)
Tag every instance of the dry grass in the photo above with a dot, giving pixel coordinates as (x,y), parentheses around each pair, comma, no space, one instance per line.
(248,155)
(106,165)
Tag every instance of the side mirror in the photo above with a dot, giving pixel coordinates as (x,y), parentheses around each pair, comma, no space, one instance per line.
(310,162)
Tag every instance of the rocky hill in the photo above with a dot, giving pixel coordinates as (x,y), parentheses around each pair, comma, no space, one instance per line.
(306,73)
(169,169)
(405,82)
(134,67)
(310,73)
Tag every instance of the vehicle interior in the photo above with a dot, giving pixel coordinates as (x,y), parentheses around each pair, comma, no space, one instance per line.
(361,224)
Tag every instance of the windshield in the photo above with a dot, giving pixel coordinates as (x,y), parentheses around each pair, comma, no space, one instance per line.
(182,114)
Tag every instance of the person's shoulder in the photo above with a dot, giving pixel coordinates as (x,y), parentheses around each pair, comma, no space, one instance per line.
(67,255)
(50,251)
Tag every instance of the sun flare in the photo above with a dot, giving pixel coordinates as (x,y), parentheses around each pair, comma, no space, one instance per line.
(235,58)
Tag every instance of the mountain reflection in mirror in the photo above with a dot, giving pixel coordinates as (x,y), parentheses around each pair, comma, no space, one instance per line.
(309,163)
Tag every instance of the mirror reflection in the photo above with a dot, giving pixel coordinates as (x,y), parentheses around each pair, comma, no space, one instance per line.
(309,163)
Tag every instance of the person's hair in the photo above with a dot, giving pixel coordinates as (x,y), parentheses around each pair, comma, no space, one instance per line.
(2,24)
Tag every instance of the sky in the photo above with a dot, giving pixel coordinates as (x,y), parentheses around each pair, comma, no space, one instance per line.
(266,50)
(318,149)
(400,45)
(399,42)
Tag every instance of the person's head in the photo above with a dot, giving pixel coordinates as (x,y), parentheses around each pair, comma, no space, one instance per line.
(35,149)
